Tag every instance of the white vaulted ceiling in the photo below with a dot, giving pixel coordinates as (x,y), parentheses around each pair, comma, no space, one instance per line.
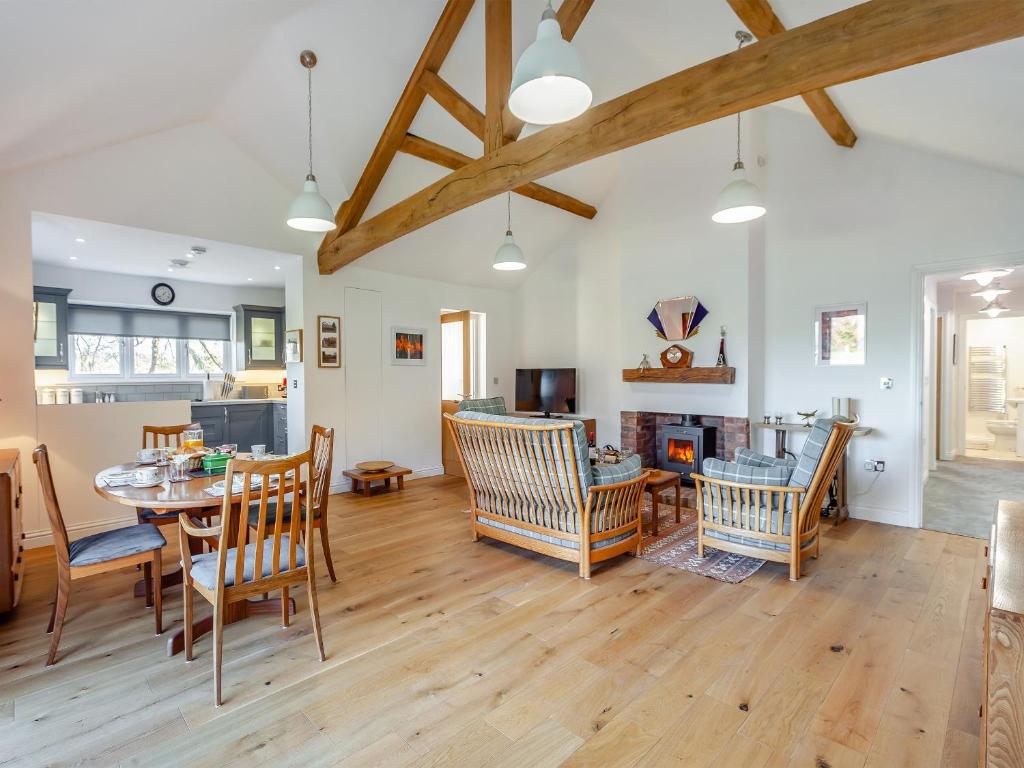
(79,76)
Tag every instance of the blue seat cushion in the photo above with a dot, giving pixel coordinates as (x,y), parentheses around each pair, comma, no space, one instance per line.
(810,456)
(750,474)
(254,512)
(120,542)
(609,474)
(552,539)
(204,566)
(755,459)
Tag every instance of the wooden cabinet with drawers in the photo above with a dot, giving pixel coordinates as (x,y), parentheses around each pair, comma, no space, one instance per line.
(12,564)
(1002,711)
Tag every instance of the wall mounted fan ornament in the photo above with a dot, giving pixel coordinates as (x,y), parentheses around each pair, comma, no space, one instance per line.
(677,319)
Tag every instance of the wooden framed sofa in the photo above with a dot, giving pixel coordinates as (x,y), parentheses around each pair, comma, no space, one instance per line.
(531,484)
(747,506)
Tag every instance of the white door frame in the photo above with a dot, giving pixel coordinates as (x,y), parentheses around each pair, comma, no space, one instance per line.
(917,276)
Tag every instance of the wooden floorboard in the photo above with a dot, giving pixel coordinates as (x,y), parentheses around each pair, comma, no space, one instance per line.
(445,652)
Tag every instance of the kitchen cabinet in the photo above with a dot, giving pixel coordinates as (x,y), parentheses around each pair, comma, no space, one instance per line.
(213,420)
(245,424)
(250,424)
(50,326)
(280,428)
(259,337)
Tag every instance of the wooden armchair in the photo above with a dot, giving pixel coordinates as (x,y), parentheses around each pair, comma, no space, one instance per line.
(273,560)
(770,510)
(98,553)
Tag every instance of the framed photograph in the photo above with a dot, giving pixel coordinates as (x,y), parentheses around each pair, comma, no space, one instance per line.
(328,341)
(408,346)
(293,346)
(840,334)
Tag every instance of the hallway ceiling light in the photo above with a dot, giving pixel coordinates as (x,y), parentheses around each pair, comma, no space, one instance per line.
(994,308)
(741,200)
(79,239)
(309,211)
(985,276)
(548,86)
(509,256)
(988,294)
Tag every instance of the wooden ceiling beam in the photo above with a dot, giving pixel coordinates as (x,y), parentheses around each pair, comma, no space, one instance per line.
(454,103)
(498,53)
(865,40)
(449,158)
(762,22)
(434,52)
(570,16)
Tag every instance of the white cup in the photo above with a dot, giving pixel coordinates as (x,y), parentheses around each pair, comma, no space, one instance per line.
(259,451)
(146,475)
(147,455)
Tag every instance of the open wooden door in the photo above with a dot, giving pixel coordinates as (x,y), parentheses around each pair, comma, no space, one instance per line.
(456,380)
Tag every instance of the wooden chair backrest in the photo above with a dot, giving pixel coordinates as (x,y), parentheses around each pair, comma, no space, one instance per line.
(162,436)
(521,470)
(274,538)
(41,458)
(321,446)
(831,455)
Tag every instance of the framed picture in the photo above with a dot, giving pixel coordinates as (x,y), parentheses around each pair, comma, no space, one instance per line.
(328,341)
(293,346)
(840,334)
(408,346)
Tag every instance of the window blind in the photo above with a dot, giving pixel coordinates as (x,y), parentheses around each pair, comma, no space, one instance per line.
(120,321)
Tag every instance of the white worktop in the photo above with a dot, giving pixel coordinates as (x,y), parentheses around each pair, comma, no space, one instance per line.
(240,401)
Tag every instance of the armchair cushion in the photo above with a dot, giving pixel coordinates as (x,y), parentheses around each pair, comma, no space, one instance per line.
(810,456)
(755,459)
(493,405)
(609,474)
(746,473)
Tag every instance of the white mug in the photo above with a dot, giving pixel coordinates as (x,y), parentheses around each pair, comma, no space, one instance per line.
(147,455)
(146,475)
(259,451)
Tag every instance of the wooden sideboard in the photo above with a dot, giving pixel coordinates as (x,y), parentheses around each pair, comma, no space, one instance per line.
(12,564)
(1002,711)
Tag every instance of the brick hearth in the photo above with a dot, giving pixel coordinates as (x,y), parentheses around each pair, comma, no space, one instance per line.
(641,431)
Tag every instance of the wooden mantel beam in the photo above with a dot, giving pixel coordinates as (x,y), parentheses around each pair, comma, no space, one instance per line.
(440,42)
(865,40)
(762,22)
(570,15)
(449,158)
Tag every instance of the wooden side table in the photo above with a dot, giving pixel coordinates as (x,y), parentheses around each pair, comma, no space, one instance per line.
(661,480)
(359,477)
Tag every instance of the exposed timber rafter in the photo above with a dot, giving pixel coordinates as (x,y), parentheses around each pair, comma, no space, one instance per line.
(865,40)
(498,55)
(449,158)
(761,20)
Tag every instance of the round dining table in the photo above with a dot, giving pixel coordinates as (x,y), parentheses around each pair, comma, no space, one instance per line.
(185,496)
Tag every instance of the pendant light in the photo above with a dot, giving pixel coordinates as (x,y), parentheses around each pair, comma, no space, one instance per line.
(548,86)
(309,211)
(740,201)
(985,276)
(509,256)
(994,308)
(990,293)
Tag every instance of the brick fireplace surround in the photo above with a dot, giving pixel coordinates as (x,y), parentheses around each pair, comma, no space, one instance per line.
(641,432)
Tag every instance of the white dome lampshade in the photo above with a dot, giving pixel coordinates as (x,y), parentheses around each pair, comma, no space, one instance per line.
(509,256)
(309,211)
(994,308)
(548,86)
(740,200)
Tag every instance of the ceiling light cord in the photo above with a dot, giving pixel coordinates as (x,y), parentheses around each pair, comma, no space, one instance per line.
(309,116)
(510,213)
(744,38)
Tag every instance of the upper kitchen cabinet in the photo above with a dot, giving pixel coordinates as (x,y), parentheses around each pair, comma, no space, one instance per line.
(50,326)
(259,335)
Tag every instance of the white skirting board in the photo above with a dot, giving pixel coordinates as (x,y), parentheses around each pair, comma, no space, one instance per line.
(879,515)
(42,538)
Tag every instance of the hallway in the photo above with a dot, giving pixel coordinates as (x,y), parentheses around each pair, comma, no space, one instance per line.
(960,496)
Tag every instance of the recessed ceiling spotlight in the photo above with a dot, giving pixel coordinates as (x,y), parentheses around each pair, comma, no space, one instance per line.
(170,269)
(79,239)
(249,279)
(277,266)
(73,258)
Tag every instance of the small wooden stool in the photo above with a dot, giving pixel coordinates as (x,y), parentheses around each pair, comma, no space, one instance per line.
(358,476)
(660,480)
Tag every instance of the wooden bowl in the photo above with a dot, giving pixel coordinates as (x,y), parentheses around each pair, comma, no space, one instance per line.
(374,466)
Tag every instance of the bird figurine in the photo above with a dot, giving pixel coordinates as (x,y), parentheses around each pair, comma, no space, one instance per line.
(807,416)
(645,364)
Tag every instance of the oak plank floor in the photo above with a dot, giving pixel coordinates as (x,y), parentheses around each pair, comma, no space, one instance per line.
(442,651)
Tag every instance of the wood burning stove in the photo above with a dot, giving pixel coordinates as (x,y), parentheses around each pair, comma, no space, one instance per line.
(683,448)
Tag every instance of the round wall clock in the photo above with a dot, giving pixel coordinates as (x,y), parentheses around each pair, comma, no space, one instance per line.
(676,357)
(162,294)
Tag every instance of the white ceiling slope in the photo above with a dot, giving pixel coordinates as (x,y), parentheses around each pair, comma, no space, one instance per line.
(110,70)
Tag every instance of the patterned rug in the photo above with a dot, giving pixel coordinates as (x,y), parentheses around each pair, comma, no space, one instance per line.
(676,547)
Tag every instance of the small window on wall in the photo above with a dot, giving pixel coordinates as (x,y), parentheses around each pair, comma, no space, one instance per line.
(205,356)
(840,334)
(96,355)
(153,356)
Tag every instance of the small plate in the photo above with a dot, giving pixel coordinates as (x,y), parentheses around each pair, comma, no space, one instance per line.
(374,466)
(154,484)
(139,463)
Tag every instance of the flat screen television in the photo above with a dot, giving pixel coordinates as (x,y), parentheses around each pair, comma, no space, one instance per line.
(548,390)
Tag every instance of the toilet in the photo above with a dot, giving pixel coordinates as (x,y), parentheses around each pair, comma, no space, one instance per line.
(1006,437)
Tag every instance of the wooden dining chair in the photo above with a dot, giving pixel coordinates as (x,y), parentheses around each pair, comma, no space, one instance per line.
(273,560)
(165,437)
(321,446)
(98,553)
